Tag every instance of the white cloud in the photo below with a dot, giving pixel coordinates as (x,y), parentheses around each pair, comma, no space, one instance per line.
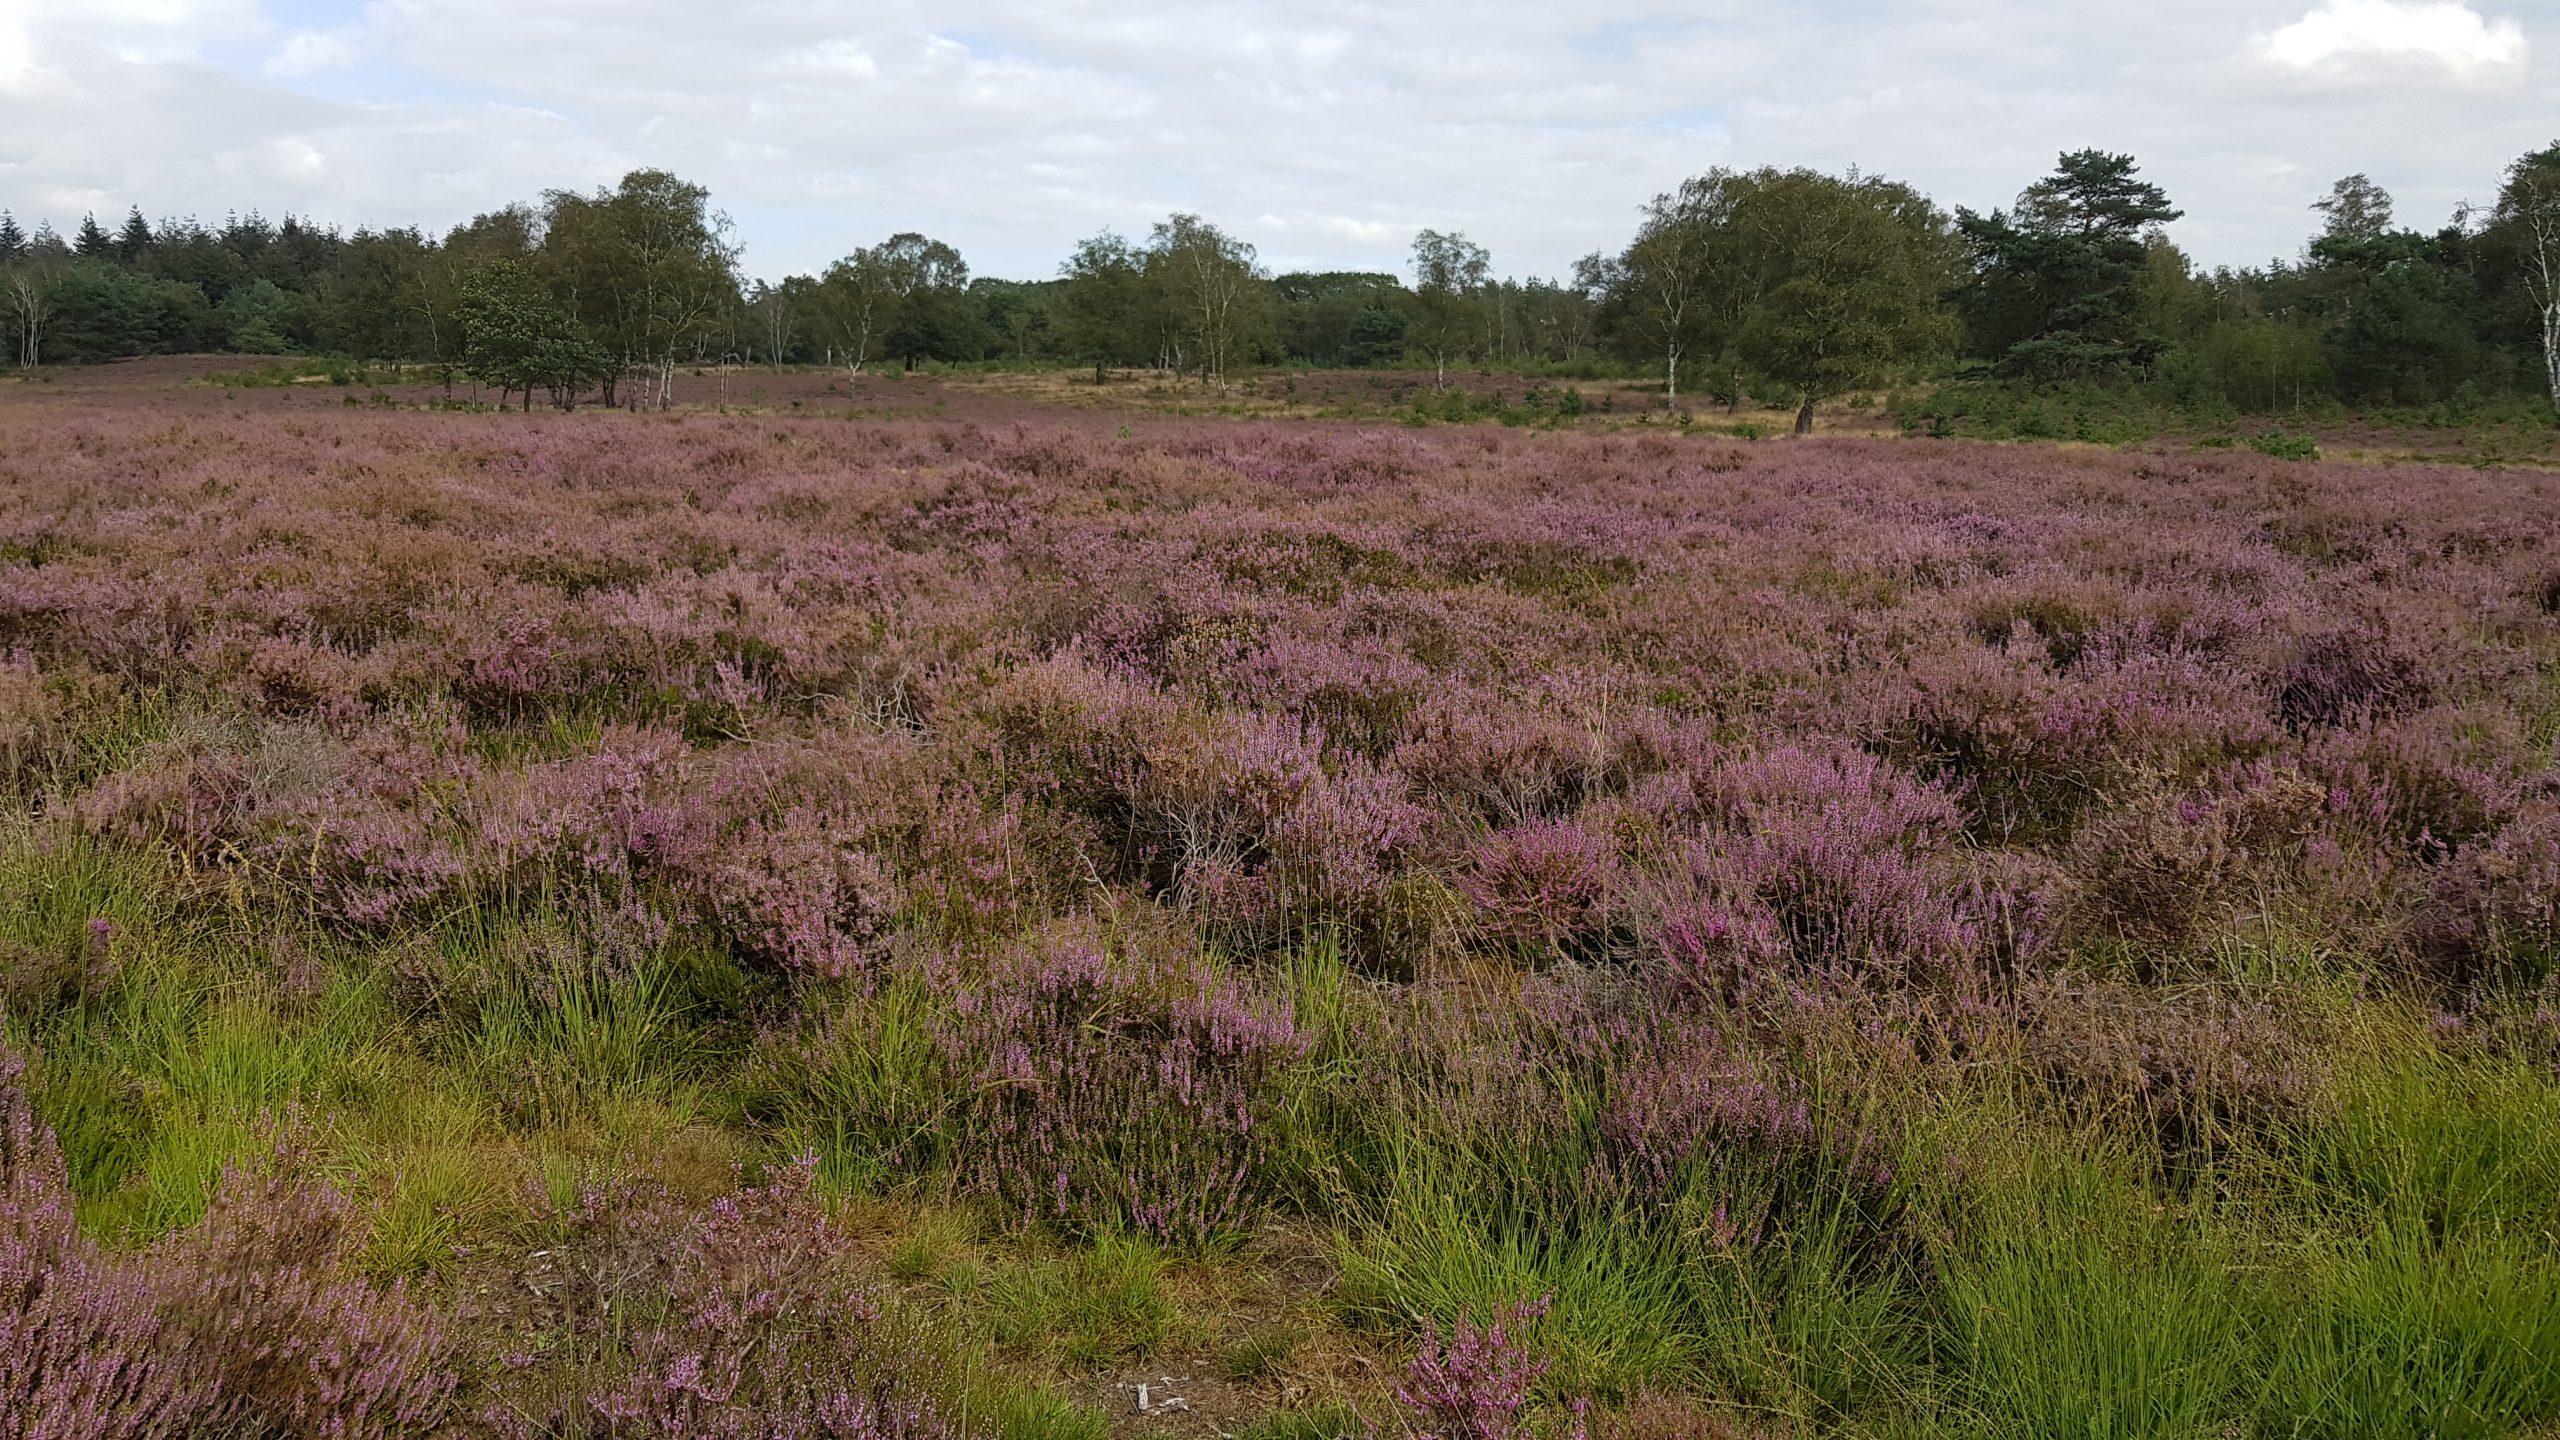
(1013,127)
(2348,39)
(310,52)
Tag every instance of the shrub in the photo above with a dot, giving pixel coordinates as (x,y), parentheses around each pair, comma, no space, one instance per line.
(253,1323)
(1136,1094)
(2347,675)
(1474,1385)
(1545,885)
(734,1321)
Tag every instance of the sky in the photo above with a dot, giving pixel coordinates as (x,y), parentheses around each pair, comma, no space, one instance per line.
(1323,131)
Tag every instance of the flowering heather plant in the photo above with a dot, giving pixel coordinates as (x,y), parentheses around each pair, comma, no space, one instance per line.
(81,1337)
(2348,674)
(799,894)
(1475,1385)
(264,1290)
(732,1321)
(2198,1065)
(1785,762)
(2497,906)
(2167,864)
(1845,863)
(253,1323)
(1120,1091)
(1543,884)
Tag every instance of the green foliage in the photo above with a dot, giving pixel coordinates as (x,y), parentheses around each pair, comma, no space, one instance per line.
(516,338)
(868,1090)
(2056,286)
(1325,1422)
(2281,446)
(1090,1307)
(100,311)
(1020,1414)
(1848,276)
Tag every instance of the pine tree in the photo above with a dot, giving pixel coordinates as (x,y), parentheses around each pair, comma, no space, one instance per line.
(134,241)
(92,242)
(2057,280)
(13,241)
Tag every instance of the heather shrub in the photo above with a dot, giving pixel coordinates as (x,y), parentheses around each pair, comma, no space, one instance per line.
(255,1322)
(661,1318)
(266,1292)
(81,1336)
(799,893)
(1762,904)
(1503,765)
(1544,887)
(2348,674)
(2496,906)
(1357,695)
(1830,862)
(1475,1385)
(1115,1090)
(2425,785)
(2166,867)
(2029,750)
(2195,1068)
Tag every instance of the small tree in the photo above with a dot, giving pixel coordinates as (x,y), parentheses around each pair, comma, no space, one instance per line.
(2355,209)
(1847,279)
(859,296)
(1101,309)
(932,318)
(92,241)
(22,290)
(1212,282)
(1449,276)
(514,336)
(778,312)
(1675,288)
(2529,213)
(2057,280)
(646,266)
(133,242)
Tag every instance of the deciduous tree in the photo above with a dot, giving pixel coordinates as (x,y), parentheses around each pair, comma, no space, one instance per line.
(1101,309)
(1214,288)
(1450,273)
(1846,280)
(517,337)
(2528,214)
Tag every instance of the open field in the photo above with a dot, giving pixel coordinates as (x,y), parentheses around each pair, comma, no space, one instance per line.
(921,909)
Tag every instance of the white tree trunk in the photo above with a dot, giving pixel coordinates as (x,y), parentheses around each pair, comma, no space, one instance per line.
(2544,218)
(2551,348)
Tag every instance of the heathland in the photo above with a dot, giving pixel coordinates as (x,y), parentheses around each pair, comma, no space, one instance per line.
(900,908)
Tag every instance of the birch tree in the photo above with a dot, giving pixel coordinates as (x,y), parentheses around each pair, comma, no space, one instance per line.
(646,266)
(1673,284)
(858,293)
(2529,210)
(1213,284)
(1450,273)
(23,291)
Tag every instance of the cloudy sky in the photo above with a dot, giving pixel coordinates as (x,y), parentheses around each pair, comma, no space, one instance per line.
(1326,131)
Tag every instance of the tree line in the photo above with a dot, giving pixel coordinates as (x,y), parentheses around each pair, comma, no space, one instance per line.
(1785,285)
